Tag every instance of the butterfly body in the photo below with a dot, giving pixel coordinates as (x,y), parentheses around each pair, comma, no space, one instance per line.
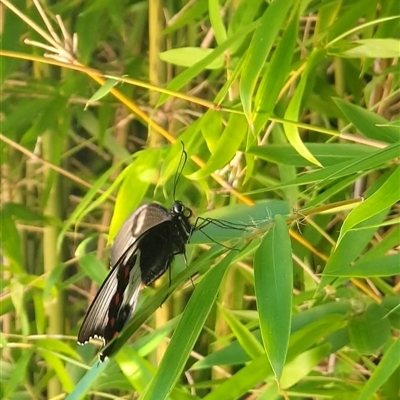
(143,250)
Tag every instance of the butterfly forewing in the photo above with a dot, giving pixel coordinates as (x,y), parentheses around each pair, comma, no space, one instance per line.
(138,223)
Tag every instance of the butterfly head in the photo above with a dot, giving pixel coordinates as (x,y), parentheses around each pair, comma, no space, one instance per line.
(179,210)
(182,214)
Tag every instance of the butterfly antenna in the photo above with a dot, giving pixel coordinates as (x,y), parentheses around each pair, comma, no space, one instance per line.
(178,173)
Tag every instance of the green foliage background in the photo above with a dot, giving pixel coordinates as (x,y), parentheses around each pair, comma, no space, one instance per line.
(289,113)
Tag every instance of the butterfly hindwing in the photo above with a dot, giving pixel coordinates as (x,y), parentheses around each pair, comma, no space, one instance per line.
(97,316)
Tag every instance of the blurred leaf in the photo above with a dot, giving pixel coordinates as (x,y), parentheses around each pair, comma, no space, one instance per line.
(327,14)
(391,304)
(18,374)
(93,268)
(300,367)
(379,201)
(136,181)
(375,160)
(51,283)
(350,247)
(12,30)
(374,48)
(87,202)
(187,16)
(84,385)
(227,145)
(189,56)
(26,214)
(238,384)
(40,315)
(102,91)
(384,266)
(275,75)
(368,123)
(293,109)
(386,367)
(264,36)
(388,242)
(306,324)
(369,331)
(10,240)
(327,153)
(211,129)
(56,346)
(186,76)
(216,21)
(273,277)
(136,369)
(313,333)
(243,335)
(245,220)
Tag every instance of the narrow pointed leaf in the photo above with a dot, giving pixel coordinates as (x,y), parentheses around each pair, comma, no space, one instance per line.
(187,332)
(273,277)
(382,199)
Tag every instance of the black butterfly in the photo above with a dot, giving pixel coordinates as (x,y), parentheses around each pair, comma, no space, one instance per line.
(143,250)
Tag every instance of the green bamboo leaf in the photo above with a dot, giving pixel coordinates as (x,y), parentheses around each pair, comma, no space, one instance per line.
(237,385)
(137,369)
(10,240)
(87,203)
(216,21)
(187,332)
(315,322)
(93,268)
(273,276)
(102,91)
(53,360)
(243,335)
(87,382)
(370,331)
(374,48)
(189,56)
(275,75)
(294,107)
(303,364)
(137,179)
(186,16)
(365,163)
(56,346)
(386,367)
(212,125)
(382,199)
(327,14)
(264,37)
(369,123)
(313,333)
(383,266)
(352,244)
(258,216)
(380,249)
(270,392)
(40,313)
(19,371)
(327,153)
(186,76)
(227,145)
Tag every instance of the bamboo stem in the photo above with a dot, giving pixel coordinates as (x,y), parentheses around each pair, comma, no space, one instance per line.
(54,308)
